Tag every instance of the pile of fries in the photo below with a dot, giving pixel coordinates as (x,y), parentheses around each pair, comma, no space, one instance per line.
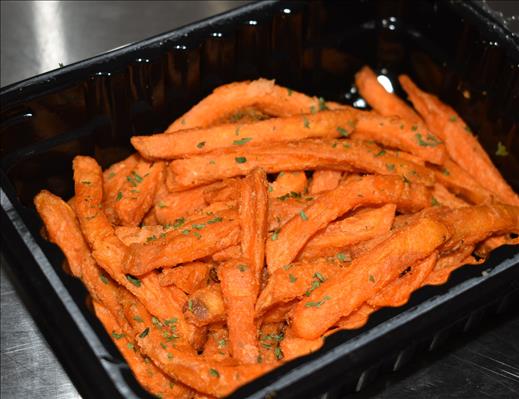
(263,220)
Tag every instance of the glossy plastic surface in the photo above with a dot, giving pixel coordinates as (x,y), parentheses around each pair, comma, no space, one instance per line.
(450,48)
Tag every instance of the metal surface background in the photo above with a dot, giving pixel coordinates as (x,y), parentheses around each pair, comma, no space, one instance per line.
(37,37)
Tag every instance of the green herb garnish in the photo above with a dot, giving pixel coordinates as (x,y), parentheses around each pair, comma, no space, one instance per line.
(501,150)
(117,335)
(317,304)
(134,280)
(242,141)
(144,333)
(343,132)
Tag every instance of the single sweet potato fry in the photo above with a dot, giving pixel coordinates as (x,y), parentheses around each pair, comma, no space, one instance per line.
(133,234)
(286,183)
(279,313)
(109,252)
(348,289)
(346,155)
(136,195)
(172,206)
(357,318)
(63,229)
(293,346)
(442,196)
(294,281)
(207,376)
(228,253)
(205,306)
(197,240)
(217,345)
(239,289)
(460,182)
(448,263)
(385,103)
(325,124)
(361,226)
(226,190)
(270,337)
(283,246)
(462,146)
(189,277)
(147,373)
(282,209)
(483,249)
(395,132)
(397,292)
(324,180)
(485,220)
(114,178)
(253,223)
(262,94)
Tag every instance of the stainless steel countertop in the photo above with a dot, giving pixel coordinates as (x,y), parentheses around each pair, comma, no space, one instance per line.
(37,37)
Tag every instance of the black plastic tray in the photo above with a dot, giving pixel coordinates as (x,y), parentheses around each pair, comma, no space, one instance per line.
(454,49)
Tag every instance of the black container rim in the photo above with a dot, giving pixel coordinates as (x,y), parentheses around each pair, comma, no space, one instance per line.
(55,78)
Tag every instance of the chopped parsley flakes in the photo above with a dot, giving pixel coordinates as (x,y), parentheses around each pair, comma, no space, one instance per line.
(242,141)
(317,304)
(501,150)
(134,280)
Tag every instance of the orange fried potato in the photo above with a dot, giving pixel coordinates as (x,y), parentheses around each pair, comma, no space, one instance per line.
(253,223)
(277,314)
(63,229)
(485,220)
(397,292)
(325,124)
(282,209)
(447,264)
(217,345)
(357,318)
(206,376)
(293,346)
(109,252)
(190,242)
(386,104)
(293,281)
(324,180)
(136,195)
(286,183)
(228,253)
(114,178)
(147,373)
(133,234)
(361,226)
(395,132)
(239,288)
(442,196)
(205,306)
(283,246)
(270,338)
(348,289)
(462,146)
(460,182)
(188,277)
(228,100)
(346,155)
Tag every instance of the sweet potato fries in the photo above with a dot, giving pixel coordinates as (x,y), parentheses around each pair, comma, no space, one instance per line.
(263,220)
